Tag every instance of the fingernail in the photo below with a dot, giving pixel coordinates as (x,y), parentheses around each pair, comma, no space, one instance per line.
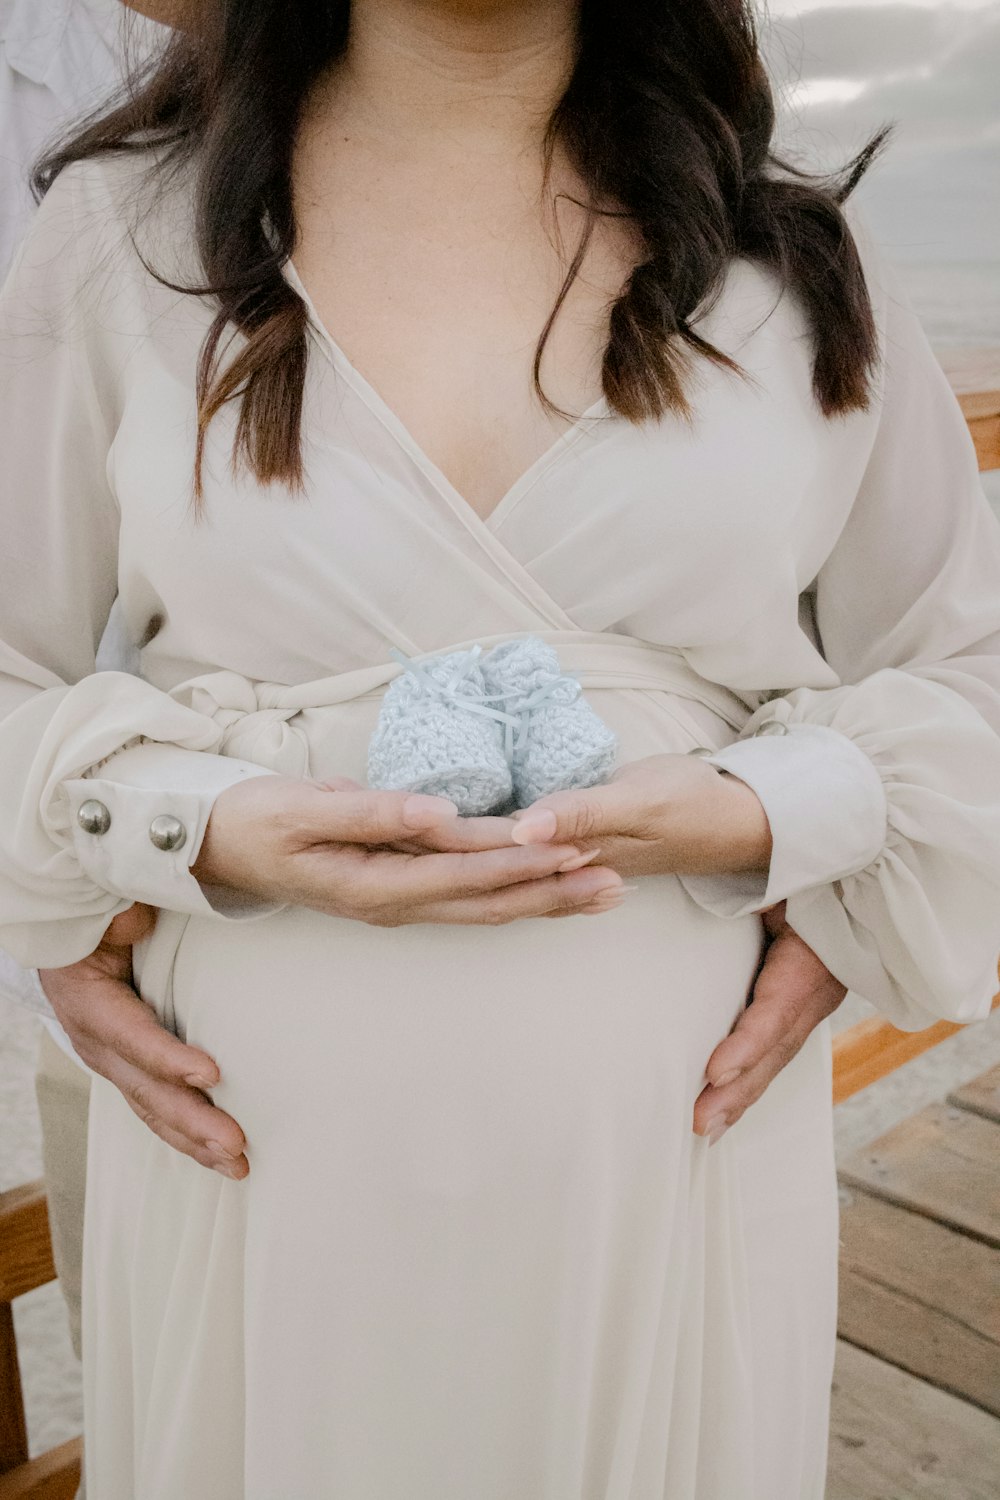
(200,1081)
(720,1083)
(218,1149)
(421,811)
(534,827)
(604,903)
(716,1129)
(610,895)
(229,1171)
(578,861)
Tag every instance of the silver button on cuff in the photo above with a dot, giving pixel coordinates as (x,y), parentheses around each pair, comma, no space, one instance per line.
(167,833)
(771,726)
(93,817)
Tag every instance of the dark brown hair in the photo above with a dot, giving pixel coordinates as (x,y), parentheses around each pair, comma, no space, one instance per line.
(668,116)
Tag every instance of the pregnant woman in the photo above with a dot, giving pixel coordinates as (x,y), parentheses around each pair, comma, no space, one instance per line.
(403,326)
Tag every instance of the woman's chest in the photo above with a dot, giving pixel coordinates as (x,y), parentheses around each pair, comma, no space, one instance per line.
(686,527)
(438,290)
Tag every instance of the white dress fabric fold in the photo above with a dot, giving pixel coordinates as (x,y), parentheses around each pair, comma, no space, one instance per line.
(480,1251)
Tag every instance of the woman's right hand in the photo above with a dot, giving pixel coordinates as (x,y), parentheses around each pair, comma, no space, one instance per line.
(389,858)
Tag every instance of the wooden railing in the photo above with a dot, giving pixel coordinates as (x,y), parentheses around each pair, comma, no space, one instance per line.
(975,379)
(872,1049)
(25,1264)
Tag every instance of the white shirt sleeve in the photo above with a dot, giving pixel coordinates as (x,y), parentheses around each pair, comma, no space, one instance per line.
(883,795)
(68,735)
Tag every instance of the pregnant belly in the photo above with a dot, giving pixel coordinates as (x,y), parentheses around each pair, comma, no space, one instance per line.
(441,1053)
(437,1056)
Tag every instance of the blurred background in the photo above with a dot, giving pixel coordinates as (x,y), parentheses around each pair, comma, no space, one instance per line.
(842,68)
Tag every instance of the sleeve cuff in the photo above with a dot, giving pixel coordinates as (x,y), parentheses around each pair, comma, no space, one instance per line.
(124,798)
(22,987)
(825,803)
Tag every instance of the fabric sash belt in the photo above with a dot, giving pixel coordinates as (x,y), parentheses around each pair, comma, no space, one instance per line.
(275,725)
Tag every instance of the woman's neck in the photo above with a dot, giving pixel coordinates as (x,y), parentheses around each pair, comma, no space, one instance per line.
(477,71)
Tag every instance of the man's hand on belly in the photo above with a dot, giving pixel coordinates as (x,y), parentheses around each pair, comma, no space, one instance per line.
(118,1035)
(793,992)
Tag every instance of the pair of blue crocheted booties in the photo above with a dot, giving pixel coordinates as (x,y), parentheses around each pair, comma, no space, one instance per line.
(491,732)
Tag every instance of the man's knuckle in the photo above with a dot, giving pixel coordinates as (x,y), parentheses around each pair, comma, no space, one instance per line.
(121,1040)
(228,1135)
(141,1096)
(72,1016)
(755,1087)
(782,998)
(94,1057)
(177,1067)
(833,996)
(788,1048)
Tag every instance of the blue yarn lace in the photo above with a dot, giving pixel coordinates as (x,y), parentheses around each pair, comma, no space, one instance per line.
(517,725)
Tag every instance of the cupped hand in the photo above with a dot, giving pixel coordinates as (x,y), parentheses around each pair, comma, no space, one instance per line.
(668,814)
(793,992)
(389,859)
(119,1036)
(381,857)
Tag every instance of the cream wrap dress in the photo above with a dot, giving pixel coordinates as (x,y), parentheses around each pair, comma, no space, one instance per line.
(480,1254)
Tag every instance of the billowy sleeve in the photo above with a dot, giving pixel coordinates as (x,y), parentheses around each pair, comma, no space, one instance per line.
(883,794)
(70,735)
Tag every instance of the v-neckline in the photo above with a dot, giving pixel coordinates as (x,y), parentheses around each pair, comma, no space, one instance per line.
(380,408)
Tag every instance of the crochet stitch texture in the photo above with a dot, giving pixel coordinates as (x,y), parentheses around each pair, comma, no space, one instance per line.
(427,740)
(491,733)
(561,743)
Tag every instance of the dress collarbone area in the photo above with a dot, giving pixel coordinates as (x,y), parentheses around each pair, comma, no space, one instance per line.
(480,1251)
(331,350)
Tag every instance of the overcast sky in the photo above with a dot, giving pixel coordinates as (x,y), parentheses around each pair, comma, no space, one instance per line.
(846,66)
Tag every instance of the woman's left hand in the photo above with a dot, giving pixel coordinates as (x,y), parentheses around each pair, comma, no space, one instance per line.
(666,815)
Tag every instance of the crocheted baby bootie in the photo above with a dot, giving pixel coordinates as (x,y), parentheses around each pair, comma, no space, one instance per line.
(557,742)
(436,734)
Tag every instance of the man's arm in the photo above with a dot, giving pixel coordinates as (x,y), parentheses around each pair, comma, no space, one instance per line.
(117,1035)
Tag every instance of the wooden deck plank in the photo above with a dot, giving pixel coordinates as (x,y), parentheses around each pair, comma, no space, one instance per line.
(941,1163)
(921,1296)
(25,1246)
(893,1437)
(981,1096)
(974,374)
(868,1051)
